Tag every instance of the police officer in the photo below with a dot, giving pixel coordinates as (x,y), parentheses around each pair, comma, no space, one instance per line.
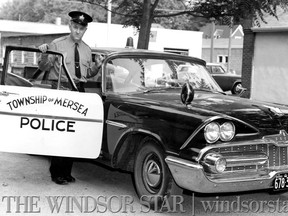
(79,57)
(79,64)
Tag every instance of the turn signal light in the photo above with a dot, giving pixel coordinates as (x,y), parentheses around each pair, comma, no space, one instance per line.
(216,163)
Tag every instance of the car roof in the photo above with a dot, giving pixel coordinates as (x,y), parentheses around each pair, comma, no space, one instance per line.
(215,64)
(132,51)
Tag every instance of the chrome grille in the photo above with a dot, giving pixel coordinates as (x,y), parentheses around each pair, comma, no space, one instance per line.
(277,156)
(283,156)
(242,148)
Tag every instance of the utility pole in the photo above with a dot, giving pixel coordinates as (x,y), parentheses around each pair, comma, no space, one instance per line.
(212,38)
(109,7)
(229,45)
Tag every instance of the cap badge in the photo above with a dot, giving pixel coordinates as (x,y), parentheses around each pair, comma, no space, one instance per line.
(81,18)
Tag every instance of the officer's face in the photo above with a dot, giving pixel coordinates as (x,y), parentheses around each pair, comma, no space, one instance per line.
(77,31)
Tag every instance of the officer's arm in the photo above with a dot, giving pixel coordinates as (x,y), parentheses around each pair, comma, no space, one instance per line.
(46,61)
(93,71)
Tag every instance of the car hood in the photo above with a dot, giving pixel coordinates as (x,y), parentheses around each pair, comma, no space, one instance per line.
(267,118)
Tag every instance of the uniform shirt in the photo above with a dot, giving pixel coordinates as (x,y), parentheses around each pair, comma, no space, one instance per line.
(67,45)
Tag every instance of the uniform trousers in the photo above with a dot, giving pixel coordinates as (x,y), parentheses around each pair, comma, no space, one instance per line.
(61,166)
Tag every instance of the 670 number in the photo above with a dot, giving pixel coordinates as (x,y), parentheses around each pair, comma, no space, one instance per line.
(280,182)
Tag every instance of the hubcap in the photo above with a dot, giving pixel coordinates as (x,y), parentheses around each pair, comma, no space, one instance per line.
(152,175)
(238,88)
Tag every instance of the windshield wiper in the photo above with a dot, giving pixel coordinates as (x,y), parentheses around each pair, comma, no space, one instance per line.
(159,89)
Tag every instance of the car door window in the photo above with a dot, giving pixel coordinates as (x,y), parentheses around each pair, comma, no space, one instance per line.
(217,70)
(25,68)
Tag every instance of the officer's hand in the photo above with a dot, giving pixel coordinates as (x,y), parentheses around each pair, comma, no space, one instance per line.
(43,48)
(98,59)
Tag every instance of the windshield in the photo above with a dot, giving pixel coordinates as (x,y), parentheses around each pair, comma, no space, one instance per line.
(142,74)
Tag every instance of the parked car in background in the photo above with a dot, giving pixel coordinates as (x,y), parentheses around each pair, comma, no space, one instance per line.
(160,116)
(226,80)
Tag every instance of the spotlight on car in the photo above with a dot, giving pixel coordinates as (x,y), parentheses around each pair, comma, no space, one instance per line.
(216,163)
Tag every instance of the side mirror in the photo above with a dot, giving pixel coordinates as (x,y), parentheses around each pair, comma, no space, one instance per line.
(187,93)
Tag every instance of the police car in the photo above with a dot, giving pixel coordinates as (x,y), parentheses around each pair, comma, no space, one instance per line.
(142,113)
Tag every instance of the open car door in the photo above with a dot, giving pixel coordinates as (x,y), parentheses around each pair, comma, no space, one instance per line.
(42,116)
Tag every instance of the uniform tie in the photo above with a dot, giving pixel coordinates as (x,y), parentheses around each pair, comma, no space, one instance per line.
(77,62)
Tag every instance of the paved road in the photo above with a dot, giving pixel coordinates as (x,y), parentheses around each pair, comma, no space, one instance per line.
(26,189)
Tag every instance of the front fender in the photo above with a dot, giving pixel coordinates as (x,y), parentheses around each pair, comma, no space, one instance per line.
(236,82)
(127,145)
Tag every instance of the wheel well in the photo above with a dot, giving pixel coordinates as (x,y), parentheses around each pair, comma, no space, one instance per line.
(236,82)
(125,156)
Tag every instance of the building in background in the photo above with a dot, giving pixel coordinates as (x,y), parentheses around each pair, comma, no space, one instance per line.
(100,35)
(221,45)
(264,69)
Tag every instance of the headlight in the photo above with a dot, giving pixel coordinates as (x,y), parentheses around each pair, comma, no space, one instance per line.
(227,131)
(212,132)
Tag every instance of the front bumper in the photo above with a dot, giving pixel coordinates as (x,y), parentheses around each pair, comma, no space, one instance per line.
(191,176)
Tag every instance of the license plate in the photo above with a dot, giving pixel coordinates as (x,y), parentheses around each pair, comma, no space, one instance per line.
(280,182)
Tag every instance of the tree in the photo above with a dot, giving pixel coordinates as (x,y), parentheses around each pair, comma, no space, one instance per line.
(245,12)
(47,10)
(125,12)
(141,14)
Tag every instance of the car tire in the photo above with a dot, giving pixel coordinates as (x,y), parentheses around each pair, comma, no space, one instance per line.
(154,184)
(236,89)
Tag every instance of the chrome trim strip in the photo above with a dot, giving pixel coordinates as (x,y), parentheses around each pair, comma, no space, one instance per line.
(246,134)
(245,161)
(51,117)
(116,124)
(182,162)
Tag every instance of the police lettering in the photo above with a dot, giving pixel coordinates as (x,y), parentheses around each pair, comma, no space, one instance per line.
(72,105)
(48,124)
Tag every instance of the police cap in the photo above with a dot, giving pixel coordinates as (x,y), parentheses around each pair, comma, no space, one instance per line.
(80,17)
